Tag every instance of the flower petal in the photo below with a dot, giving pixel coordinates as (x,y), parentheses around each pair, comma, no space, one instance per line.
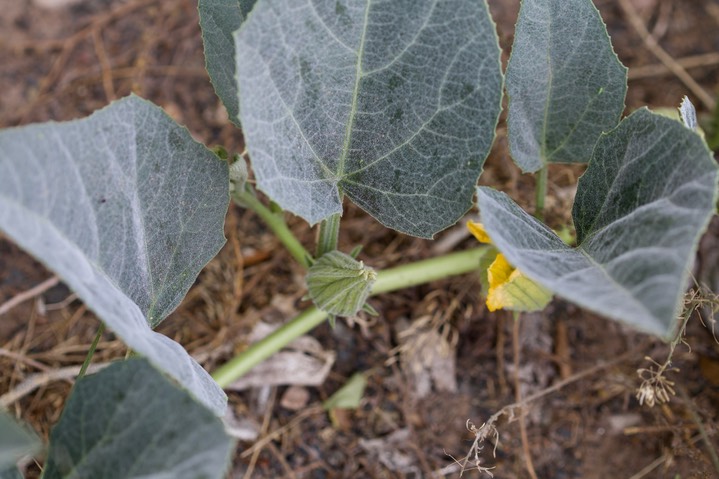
(499,271)
(477,229)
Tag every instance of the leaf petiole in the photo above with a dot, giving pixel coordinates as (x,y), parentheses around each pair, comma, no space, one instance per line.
(276,222)
(328,235)
(91,351)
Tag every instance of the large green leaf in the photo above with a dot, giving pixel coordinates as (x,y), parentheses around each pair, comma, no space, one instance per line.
(565,83)
(16,441)
(219,19)
(10,473)
(392,103)
(641,206)
(127,209)
(129,421)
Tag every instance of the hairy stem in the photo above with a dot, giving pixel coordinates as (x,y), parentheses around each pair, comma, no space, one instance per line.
(388,280)
(91,351)
(425,271)
(328,235)
(276,222)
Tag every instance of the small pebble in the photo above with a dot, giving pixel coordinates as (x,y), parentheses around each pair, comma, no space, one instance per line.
(295,398)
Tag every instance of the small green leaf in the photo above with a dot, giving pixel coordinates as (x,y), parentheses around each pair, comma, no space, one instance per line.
(565,83)
(130,421)
(339,284)
(393,104)
(356,251)
(644,201)
(16,442)
(221,152)
(219,19)
(367,308)
(349,395)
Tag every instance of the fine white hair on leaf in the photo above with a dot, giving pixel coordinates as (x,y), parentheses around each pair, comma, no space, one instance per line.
(688,113)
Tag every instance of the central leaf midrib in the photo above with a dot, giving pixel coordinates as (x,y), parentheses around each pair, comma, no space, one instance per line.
(355,93)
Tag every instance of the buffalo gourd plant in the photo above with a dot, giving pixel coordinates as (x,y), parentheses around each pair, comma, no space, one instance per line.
(393,105)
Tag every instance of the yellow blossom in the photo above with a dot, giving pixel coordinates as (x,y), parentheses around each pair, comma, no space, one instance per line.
(507,287)
(477,229)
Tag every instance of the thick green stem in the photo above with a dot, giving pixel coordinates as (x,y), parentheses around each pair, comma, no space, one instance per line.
(541,190)
(276,222)
(91,351)
(428,270)
(267,346)
(388,280)
(328,235)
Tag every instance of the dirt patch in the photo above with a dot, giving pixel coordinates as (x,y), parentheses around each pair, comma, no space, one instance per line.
(63,64)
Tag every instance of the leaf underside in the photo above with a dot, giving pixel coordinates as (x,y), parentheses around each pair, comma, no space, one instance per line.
(129,421)
(644,201)
(16,441)
(219,19)
(126,208)
(565,83)
(392,103)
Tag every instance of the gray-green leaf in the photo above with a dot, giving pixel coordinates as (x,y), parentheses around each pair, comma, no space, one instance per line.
(641,206)
(16,442)
(219,19)
(565,83)
(126,208)
(10,473)
(392,103)
(129,421)
(339,284)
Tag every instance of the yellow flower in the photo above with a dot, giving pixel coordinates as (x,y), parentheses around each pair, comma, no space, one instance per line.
(507,287)
(477,229)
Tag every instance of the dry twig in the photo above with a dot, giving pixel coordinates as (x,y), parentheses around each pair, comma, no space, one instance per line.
(69,44)
(488,429)
(263,431)
(518,398)
(29,294)
(101,53)
(651,43)
(693,61)
(35,381)
(644,472)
